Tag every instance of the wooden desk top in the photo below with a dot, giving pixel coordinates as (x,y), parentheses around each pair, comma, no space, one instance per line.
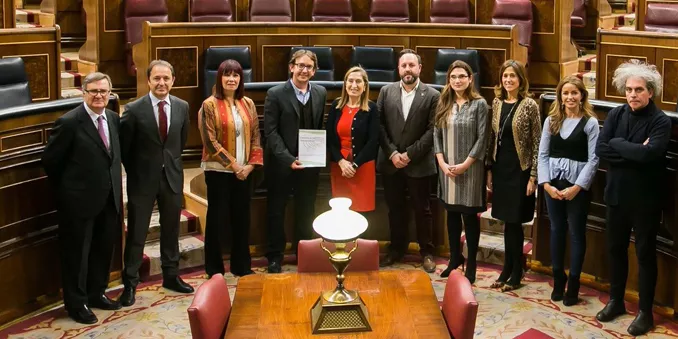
(401,304)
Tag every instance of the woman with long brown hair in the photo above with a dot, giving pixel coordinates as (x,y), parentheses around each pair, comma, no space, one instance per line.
(460,138)
(567,165)
(229,127)
(514,145)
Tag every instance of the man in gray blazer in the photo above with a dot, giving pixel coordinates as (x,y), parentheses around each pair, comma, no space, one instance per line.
(289,107)
(153,132)
(406,110)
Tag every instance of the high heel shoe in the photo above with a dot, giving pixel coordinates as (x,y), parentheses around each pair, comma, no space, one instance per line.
(453,266)
(470,273)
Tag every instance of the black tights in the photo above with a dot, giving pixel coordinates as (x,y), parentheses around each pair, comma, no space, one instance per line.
(472,225)
(512,272)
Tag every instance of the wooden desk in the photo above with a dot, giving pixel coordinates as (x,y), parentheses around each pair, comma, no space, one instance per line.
(401,304)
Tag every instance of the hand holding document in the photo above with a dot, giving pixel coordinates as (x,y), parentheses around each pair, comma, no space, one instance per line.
(312,147)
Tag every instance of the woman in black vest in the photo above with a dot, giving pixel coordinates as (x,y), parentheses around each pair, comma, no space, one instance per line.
(567,164)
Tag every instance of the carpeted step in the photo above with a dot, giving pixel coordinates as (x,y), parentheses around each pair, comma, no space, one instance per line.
(28,16)
(69,61)
(490,225)
(491,248)
(71,79)
(191,255)
(71,93)
(587,63)
(25,25)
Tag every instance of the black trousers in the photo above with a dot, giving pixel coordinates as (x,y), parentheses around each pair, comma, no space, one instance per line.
(512,272)
(303,184)
(396,187)
(228,201)
(139,209)
(472,225)
(87,246)
(644,221)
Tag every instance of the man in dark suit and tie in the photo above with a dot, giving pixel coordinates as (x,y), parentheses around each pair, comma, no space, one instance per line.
(82,162)
(289,107)
(153,132)
(406,110)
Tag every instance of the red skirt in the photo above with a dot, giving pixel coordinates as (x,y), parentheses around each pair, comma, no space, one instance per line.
(360,189)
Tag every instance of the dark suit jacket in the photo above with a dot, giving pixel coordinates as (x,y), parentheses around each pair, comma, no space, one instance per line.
(414,135)
(144,155)
(281,123)
(364,134)
(636,172)
(78,165)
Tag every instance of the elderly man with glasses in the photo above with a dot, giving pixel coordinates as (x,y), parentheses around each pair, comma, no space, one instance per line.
(82,162)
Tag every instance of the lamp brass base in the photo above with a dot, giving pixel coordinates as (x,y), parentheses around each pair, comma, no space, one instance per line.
(329,317)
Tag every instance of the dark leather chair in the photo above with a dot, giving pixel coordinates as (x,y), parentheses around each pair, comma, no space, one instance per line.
(379,62)
(325,71)
(460,307)
(445,57)
(270,11)
(14,90)
(332,11)
(211,11)
(311,258)
(214,56)
(578,17)
(450,11)
(136,12)
(515,12)
(389,11)
(211,307)
(662,17)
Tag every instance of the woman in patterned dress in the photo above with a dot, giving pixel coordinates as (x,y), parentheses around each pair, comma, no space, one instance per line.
(460,137)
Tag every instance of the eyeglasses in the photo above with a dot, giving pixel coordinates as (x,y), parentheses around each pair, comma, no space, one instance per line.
(460,77)
(304,67)
(96,92)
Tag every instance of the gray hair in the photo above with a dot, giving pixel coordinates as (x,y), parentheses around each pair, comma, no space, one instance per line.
(158,63)
(94,77)
(634,68)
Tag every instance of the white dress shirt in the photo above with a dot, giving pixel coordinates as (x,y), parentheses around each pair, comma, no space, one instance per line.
(95,117)
(407,98)
(168,109)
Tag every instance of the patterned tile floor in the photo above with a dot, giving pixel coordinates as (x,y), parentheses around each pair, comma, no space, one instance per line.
(526,313)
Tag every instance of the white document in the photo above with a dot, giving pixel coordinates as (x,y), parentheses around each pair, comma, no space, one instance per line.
(312,147)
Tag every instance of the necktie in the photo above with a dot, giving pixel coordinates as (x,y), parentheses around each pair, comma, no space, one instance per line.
(102,134)
(162,121)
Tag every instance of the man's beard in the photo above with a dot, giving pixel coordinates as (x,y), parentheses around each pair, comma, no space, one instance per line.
(410,82)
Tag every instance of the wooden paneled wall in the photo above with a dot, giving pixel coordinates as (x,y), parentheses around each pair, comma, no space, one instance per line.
(641,11)
(40,48)
(183,45)
(596,260)
(68,15)
(660,49)
(8,15)
(553,55)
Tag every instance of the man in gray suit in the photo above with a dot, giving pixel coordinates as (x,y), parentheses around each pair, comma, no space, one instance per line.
(153,132)
(406,110)
(289,107)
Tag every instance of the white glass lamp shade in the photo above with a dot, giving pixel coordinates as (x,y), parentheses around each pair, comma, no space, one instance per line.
(340,224)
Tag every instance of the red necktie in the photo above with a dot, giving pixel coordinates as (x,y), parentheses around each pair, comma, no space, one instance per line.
(162,121)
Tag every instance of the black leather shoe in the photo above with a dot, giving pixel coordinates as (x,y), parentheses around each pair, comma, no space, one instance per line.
(103,302)
(613,309)
(559,281)
(177,285)
(642,324)
(389,260)
(82,315)
(274,266)
(128,296)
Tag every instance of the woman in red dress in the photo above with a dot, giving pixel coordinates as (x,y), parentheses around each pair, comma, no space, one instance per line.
(352,142)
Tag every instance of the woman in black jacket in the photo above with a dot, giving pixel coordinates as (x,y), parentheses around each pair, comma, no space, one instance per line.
(352,142)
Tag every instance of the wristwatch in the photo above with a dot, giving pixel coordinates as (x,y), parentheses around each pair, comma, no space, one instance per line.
(355,165)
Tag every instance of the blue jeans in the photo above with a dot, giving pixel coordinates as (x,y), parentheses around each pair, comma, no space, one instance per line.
(564,213)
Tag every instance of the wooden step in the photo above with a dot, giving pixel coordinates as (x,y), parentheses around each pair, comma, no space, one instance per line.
(28,16)
(70,79)
(69,61)
(587,63)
